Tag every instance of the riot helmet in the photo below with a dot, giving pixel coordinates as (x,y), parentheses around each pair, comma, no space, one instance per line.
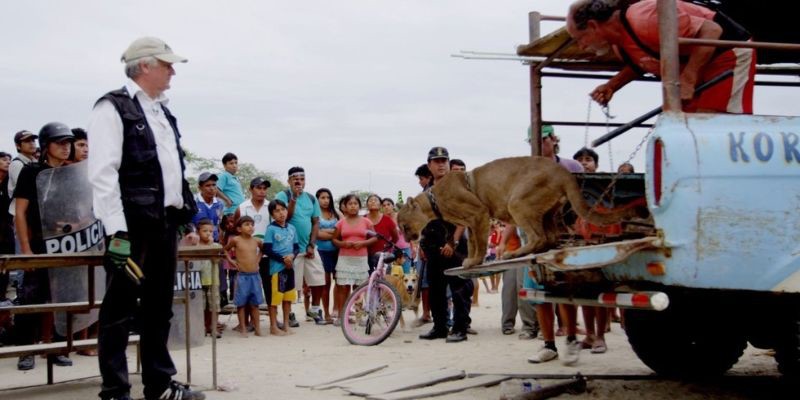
(53,132)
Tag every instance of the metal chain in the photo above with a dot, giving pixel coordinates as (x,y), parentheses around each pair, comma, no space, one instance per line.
(607,111)
(588,119)
(618,174)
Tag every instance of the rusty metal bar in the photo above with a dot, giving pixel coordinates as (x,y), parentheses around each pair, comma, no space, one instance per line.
(186,321)
(534,25)
(652,113)
(575,75)
(595,124)
(736,43)
(670,67)
(36,261)
(91,285)
(214,295)
(552,57)
(572,75)
(93,259)
(534,20)
(552,18)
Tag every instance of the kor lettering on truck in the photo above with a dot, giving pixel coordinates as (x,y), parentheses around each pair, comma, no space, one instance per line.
(762,146)
(76,242)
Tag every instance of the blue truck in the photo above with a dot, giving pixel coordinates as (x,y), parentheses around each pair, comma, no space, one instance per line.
(716,265)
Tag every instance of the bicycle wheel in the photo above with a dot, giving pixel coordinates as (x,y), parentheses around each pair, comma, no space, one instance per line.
(368,326)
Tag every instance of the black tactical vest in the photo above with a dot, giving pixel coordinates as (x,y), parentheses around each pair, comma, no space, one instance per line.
(140,179)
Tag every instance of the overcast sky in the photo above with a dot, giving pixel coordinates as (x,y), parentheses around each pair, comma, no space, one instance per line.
(354,91)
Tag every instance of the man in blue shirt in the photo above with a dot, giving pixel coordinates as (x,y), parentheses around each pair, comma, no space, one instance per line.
(304,216)
(208,206)
(229,187)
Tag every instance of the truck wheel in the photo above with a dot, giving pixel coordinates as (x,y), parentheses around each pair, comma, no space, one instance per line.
(684,342)
(787,351)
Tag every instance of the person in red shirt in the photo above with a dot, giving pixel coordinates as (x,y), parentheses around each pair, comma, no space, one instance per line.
(602,26)
(382,224)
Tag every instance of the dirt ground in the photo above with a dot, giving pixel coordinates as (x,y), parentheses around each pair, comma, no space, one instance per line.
(270,367)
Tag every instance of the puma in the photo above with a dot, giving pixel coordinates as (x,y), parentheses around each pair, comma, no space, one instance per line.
(523,191)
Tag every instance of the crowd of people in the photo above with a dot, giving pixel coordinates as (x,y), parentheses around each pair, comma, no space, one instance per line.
(298,245)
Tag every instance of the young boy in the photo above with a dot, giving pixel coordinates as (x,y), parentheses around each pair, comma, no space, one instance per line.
(281,246)
(205,230)
(248,282)
(229,189)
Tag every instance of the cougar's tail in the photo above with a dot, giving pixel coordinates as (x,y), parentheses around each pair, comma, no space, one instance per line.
(575,198)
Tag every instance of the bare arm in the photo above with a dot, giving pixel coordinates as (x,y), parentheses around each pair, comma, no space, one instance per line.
(225,199)
(325,234)
(448,249)
(231,245)
(312,242)
(337,239)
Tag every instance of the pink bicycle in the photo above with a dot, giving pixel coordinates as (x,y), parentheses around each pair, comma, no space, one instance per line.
(372,310)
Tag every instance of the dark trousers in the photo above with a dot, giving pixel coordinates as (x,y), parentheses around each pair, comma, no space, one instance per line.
(461,290)
(34,289)
(3,284)
(155,249)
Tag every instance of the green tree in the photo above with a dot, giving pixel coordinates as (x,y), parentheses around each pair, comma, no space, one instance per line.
(195,165)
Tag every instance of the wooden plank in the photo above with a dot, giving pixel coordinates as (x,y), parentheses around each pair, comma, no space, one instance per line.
(405,381)
(54,348)
(10,261)
(444,388)
(75,307)
(349,382)
(622,377)
(344,376)
(37,308)
(384,378)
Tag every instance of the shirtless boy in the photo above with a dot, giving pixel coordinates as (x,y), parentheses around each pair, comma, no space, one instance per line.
(248,282)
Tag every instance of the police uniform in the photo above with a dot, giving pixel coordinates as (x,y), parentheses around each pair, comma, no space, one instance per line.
(435,235)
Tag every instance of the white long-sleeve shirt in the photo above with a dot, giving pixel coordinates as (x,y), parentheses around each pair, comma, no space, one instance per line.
(13,173)
(105,136)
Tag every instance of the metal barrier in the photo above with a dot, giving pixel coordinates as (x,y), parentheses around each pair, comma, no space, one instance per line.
(94,259)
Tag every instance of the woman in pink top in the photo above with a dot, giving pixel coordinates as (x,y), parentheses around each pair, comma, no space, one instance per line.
(351,238)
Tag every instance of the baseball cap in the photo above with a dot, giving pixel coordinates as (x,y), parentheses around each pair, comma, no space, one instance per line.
(24,135)
(547,130)
(205,176)
(151,47)
(438,152)
(258,181)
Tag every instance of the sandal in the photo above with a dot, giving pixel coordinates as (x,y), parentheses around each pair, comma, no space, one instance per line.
(599,347)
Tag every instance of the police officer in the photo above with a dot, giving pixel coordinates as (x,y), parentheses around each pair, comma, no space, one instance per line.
(55,139)
(443,249)
(140,194)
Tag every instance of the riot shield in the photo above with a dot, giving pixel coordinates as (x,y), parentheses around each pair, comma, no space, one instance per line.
(192,283)
(69,226)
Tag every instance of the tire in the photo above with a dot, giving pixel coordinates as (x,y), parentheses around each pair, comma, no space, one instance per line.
(787,350)
(685,342)
(363,328)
